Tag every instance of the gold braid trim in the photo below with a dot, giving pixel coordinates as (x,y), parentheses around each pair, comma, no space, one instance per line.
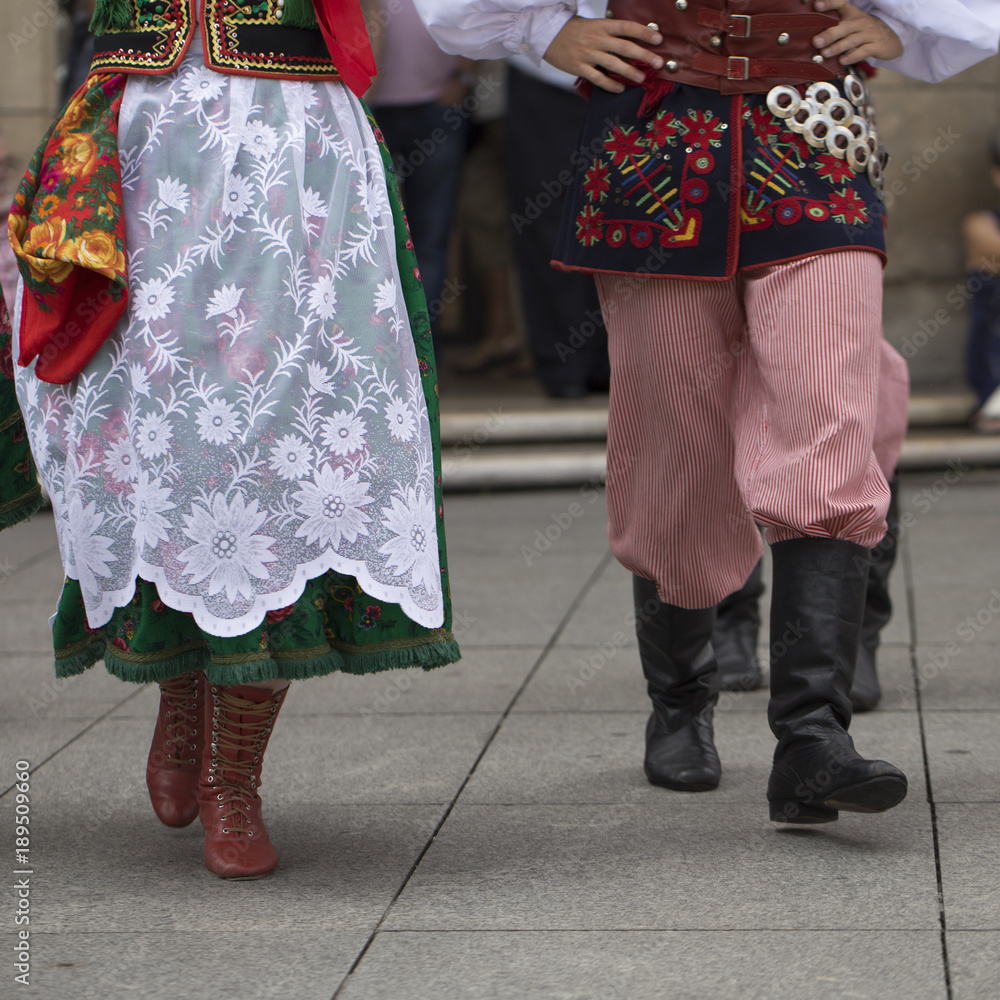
(11,420)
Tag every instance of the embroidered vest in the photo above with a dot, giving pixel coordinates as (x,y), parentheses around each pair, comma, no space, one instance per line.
(274,38)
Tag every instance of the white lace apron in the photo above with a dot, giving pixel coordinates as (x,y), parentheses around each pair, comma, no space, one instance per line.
(257,417)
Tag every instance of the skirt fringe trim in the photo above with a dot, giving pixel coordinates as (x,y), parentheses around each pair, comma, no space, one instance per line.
(248,668)
(20,508)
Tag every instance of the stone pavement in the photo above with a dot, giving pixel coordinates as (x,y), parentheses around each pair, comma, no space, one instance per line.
(485,831)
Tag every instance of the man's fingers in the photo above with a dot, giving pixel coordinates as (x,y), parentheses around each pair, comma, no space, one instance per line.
(625,49)
(598,79)
(834,33)
(610,63)
(862,52)
(845,44)
(632,29)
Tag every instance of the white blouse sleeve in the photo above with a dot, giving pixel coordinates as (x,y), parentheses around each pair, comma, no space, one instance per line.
(494,29)
(942,37)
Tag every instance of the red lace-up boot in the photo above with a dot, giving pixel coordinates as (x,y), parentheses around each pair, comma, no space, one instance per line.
(239,722)
(175,755)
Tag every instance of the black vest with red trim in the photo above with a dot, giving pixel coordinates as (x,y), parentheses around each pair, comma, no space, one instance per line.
(249,37)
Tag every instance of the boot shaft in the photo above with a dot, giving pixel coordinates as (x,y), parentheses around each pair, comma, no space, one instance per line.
(817,606)
(675,649)
(238,723)
(179,733)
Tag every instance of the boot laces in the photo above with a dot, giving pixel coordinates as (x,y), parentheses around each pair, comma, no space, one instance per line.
(235,772)
(181,719)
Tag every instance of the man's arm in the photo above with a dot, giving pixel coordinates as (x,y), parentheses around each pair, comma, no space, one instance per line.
(940,38)
(590,48)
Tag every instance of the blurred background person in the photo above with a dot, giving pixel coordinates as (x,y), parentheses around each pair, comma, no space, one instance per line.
(416,100)
(81,46)
(8,184)
(484,222)
(566,333)
(982,257)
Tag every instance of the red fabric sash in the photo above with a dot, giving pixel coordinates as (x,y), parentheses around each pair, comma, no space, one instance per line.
(346,37)
(67,230)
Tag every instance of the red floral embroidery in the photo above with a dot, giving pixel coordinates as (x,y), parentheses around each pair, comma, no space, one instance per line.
(662,130)
(6,361)
(278,614)
(596,182)
(623,144)
(590,226)
(848,207)
(797,143)
(702,130)
(834,170)
(765,125)
(370,618)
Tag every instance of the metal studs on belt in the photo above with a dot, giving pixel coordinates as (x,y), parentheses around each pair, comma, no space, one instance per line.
(715,41)
(858,155)
(783,101)
(839,110)
(681,4)
(839,140)
(816,128)
(855,90)
(821,92)
(784,38)
(858,127)
(671,65)
(653,25)
(875,172)
(806,110)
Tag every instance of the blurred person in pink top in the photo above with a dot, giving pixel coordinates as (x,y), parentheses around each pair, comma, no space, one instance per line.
(416,99)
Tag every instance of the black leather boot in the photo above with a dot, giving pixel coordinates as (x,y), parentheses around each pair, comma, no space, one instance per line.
(679,666)
(817,604)
(866,692)
(734,640)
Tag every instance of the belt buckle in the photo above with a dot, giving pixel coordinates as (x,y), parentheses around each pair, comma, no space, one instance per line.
(743,64)
(742,21)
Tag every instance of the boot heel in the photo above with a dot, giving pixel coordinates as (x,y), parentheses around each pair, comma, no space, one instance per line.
(791,811)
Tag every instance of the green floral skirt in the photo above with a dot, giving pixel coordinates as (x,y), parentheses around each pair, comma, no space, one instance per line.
(334,625)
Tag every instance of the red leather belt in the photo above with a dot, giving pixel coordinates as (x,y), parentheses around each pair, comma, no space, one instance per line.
(735,47)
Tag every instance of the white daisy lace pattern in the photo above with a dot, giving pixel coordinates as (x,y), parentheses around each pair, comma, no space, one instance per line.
(254,421)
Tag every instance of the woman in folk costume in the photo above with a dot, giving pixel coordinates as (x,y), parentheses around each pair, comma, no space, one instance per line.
(223,359)
(729,205)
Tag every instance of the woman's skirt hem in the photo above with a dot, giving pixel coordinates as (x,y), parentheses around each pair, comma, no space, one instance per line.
(250,668)
(20,508)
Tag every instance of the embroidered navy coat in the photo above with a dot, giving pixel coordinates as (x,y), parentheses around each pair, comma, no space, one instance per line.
(705,185)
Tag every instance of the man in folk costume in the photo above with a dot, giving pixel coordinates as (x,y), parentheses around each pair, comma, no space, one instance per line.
(728,203)
(222,355)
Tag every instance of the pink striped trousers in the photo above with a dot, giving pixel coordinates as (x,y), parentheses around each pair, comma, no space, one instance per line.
(748,400)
